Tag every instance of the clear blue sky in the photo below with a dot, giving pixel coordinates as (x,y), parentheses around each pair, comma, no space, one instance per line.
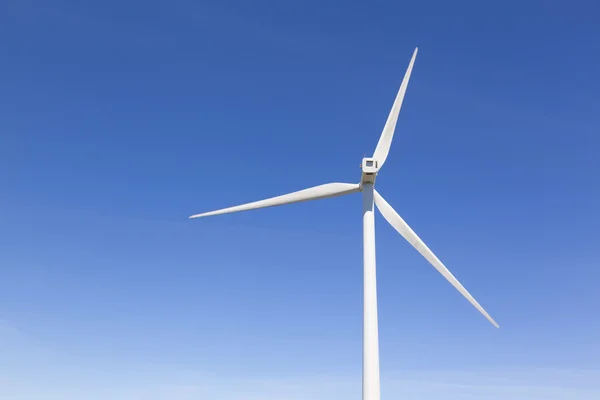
(118,120)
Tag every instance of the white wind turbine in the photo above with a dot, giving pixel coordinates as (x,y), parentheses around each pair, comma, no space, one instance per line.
(370,168)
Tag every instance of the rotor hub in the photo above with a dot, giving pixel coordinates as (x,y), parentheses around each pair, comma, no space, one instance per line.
(369,167)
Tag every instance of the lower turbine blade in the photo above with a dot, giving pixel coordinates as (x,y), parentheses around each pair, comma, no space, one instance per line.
(314,193)
(402,227)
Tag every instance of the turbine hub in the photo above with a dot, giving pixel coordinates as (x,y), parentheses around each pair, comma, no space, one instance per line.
(369,170)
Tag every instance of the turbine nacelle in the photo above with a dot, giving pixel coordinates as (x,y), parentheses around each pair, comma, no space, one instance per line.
(370,167)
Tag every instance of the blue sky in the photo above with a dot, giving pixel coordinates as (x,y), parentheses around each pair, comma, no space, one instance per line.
(121,119)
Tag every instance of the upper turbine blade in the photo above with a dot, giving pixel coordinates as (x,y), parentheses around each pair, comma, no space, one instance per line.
(402,227)
(314,193)
(385,141)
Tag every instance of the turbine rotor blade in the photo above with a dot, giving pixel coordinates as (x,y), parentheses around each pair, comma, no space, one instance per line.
(385,141)
(403,229)
(313,193)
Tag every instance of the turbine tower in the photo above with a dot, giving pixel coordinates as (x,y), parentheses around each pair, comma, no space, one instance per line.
(370,168)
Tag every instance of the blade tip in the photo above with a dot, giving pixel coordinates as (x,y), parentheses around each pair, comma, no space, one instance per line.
(206,214)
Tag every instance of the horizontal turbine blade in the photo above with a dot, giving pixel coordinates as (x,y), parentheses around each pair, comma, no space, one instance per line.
(314,193)
(402,227)
(385,141)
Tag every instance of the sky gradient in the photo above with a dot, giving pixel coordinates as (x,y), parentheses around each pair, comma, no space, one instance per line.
(120,120)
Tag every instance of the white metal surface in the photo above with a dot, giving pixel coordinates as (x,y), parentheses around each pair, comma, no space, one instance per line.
(371,386)
(385,141)
(314,193)
(403,229)
(369,166)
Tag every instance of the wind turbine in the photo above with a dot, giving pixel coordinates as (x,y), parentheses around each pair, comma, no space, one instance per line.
(370,169)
